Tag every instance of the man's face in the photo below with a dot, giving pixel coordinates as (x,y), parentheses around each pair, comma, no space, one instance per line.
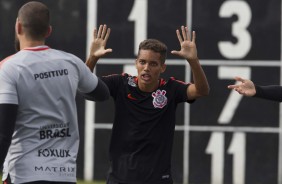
(149,68)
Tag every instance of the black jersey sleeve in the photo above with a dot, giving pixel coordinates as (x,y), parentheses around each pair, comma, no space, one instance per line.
(271,92)
(114,82)
(8,113)
(100,93)
(181,90)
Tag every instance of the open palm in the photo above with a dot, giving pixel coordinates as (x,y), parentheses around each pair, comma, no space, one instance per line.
(188,46)
(98,47)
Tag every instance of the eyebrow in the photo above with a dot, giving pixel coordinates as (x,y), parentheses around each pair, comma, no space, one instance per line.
(148,60)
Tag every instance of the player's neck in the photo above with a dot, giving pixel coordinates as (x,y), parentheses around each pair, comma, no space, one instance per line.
(27,44)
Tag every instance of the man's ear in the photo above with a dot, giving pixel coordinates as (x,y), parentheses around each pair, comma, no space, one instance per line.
(163,68)
(18,27)
(48,32)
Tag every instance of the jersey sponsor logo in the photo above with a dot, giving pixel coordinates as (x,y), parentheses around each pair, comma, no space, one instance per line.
(51,74)
(55,125)
(56,133)
(55,130)
(70,171)
(160,100)
(131,81)
(54,153)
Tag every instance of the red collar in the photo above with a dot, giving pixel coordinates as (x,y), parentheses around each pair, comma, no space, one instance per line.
(38,48)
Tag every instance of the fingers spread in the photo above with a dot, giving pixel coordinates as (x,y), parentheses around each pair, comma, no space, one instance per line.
(95,33)
(174,52)
(104,31)
(194,37)
(108,34)
(239,79)
(100,31)
(179,36)
(232,86)
(184,34)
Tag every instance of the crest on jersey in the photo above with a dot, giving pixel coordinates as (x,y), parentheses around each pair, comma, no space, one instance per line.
(131,81)
(160,100)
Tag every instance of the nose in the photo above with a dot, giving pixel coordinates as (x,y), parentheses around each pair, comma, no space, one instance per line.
(146,67)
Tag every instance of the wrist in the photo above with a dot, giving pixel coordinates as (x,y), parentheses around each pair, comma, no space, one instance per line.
(91,62)
(258,91)
(192,59)
(93,58)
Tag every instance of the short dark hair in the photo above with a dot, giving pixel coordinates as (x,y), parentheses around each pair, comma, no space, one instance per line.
(154,45)
(35,19)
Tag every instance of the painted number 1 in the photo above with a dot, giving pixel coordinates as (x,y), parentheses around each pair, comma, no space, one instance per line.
(138,14)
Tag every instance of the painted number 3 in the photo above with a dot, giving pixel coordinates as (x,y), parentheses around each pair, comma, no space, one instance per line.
(243,12)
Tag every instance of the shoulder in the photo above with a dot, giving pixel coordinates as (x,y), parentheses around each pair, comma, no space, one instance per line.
(66,54)
(118,80)
(174,80)
(70,59)
(174,84)
(116,76)
(8,60)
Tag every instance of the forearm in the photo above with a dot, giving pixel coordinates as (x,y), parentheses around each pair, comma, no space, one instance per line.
(271,92)
(100,93)
(91,63)
(8,114)
(5,144)
(199,78)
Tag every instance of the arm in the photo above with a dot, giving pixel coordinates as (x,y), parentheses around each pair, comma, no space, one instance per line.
(97,49)
(8,114)
(271,92)
(246,87)
(188,51)
(100,93)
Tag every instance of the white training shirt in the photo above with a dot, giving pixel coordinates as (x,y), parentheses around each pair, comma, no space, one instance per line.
(44,83)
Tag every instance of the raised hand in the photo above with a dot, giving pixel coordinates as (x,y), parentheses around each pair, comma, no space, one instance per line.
(188,46)
(244,87)
(98,47)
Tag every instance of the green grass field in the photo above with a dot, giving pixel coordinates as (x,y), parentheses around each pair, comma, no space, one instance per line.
(90,182)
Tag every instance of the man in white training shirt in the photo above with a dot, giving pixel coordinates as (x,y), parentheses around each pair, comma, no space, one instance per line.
(38,117)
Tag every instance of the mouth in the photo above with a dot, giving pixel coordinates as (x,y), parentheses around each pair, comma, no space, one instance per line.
(146,77)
